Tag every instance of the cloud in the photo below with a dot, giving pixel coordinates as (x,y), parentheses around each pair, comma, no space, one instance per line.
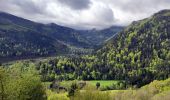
(129,10)
(30,6)
(84,14)
(76,4)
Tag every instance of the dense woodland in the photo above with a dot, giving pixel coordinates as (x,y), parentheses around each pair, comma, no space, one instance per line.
(20,81)
(138,55)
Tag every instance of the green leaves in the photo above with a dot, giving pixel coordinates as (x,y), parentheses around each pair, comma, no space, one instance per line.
(21,82)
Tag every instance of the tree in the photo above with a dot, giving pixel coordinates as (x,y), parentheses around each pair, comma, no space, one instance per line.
(3,79)
(72,89)
(22,83)
(97,85)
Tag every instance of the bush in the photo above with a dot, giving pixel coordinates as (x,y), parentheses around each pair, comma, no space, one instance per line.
(157,90)
(115,86)
(90,94)
(97,85)
(72,89)
(56,96)
(21,82)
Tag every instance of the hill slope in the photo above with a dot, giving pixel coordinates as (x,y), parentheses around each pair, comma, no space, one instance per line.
(140,53)
(98,37)
(22,38)
(156,90)
(18,38)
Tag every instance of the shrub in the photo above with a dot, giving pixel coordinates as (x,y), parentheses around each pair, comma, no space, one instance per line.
(90,94)
(97,85)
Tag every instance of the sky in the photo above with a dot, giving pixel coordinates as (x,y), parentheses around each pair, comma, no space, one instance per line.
(84,14)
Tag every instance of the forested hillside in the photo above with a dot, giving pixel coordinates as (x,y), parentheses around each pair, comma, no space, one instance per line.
(138,55)
(16,41)
(23,38)
(98,37)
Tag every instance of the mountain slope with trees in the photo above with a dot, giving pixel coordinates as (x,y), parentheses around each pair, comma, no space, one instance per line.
(98,37)
(17,40)
(23,38)
(139,54)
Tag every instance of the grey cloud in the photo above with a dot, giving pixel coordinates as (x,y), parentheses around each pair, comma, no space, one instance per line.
(29,6)
(127,11)
(107,15)
(141,6)
(84,14)
(20,6)
(76,4)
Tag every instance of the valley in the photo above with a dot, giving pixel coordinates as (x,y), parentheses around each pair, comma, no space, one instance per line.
(53,62)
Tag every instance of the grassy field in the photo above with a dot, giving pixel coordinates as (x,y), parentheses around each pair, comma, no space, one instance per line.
(103,83)
(67,84)
(56,96)
(156,90)
(46,84)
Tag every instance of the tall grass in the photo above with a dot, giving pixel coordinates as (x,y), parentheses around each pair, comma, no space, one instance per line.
(157,90)
(56,96)
(90,93)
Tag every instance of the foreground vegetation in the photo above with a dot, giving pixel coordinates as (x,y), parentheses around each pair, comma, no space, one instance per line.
(20,82)
(157,90)
(102,82)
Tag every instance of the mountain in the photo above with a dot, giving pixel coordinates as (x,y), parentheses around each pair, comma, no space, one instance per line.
(52,30)
(137,55)
(141,52)
(98,37)
(20,37)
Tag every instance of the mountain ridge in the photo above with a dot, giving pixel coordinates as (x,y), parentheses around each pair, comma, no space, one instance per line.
(141,51)
(18,37)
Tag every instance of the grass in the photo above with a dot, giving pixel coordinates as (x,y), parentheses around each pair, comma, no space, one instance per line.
(156,90)
(56,96)
(67,84)
(46,84)
(103,83)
